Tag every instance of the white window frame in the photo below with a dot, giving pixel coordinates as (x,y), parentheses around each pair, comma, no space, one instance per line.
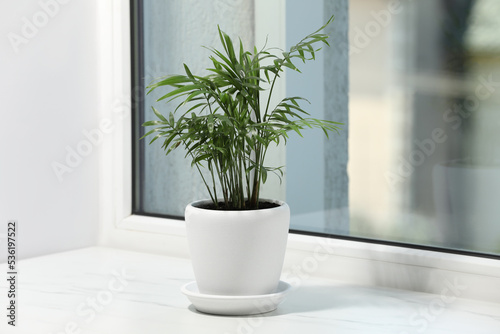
(352,261)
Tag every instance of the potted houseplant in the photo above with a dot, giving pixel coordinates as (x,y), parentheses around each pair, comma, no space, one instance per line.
(236,239)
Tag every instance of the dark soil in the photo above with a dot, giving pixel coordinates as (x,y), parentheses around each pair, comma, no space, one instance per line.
(222,206)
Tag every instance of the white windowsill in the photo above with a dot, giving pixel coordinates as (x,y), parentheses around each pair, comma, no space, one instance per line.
(153,225)
(307,258)
(106,290)
(348,261)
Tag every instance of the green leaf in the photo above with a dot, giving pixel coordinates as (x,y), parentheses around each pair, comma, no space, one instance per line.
(201,158)
(171,119)
(182,89)
(173,81)
(152,123)
(168,140)
(210,123)
(159,115)
(188,72)
(263,171)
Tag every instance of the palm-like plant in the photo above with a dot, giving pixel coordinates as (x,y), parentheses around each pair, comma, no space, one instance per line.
(227,127)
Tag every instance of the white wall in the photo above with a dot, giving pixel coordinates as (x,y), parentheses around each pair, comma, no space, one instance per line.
(49,95)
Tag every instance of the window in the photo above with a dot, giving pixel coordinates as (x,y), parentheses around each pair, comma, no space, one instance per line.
(418,162)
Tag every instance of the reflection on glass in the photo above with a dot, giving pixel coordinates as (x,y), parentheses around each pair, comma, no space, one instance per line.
(424,122)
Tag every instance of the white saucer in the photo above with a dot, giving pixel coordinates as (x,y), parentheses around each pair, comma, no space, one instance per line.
(235,305)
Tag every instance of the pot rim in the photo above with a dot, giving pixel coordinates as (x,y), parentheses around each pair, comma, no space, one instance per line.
(281,204)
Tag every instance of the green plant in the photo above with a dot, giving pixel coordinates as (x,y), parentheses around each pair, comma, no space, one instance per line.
(227,128)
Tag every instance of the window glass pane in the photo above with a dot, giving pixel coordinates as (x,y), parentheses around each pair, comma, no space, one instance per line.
(424,122)
(418,161)
(317,183)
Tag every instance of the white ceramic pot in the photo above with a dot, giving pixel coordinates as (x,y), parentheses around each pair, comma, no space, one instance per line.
(237,253)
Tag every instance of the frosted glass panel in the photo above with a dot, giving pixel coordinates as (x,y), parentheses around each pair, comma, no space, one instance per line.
(174,32)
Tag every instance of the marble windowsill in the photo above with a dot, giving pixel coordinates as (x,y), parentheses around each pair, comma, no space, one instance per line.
(105,290)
